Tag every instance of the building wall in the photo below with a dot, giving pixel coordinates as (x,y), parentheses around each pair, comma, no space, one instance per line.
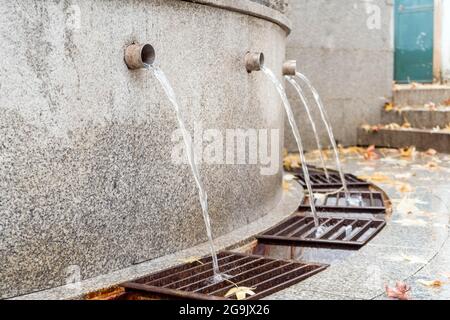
(346,49)
(446,40)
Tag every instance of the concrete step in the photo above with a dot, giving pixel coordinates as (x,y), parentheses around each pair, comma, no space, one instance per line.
(419,117)
(402,138)
(410,95)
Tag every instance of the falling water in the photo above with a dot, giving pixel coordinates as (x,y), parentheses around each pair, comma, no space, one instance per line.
(326,121)
(311,120)
(290,115)
(159,74)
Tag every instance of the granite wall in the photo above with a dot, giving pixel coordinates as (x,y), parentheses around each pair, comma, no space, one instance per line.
(346,49)
(86,177)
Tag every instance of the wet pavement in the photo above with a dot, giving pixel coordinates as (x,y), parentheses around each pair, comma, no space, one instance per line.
(413,248)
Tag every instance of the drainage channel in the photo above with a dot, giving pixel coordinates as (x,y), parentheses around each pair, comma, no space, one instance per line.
(339,232)
(277,260)
(192,280)
(372,202)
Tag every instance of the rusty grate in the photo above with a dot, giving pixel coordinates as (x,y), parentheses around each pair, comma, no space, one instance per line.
(363,202)
(337,232)
(319,181)
(192,280)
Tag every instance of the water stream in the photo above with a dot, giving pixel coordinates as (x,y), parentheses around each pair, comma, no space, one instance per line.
(350,200)
(159,74)
(290,115)
(311,120)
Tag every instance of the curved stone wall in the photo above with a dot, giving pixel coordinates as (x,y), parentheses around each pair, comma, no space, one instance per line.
(87,181)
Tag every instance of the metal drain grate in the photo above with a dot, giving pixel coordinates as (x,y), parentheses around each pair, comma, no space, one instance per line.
(369,202)
(338,232)
(192,280)
(319,181)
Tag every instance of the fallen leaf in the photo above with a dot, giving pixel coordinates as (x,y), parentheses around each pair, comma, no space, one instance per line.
(432,165)
(446,102)
(446,128)
(370,153)
(392,126)
(400,292)
(431,283)
(431,152)
(388,106)
(376,177)
(404,187)
(240,292)
(406,125)
(408,152)
(286,185)
(291,161)
(431,106)
(191,260)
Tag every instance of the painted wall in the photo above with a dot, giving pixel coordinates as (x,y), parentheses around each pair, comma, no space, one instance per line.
(446,39)
(345,48)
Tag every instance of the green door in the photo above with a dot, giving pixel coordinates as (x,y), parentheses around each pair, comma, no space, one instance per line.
(414,28)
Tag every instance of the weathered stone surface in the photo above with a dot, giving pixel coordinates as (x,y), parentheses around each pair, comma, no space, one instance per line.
(85,153)
(421,139)
(408,96)
(420,118)
(345,48)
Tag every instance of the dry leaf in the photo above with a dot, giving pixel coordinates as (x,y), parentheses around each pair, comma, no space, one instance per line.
(408,152)
(376,177)
(406,125)
(388,106)
(287,185)
(400,292)
(240,292)
(392,126)
(431,283)
(370,153)
(366,127)
(404,187)
(446,102)
(447,128)
(191,260)
(291,161)
(431,152)
(431,106)
(432,165)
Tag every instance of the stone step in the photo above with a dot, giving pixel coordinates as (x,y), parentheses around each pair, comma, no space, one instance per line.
(422,94)
(402,138)
(418,117)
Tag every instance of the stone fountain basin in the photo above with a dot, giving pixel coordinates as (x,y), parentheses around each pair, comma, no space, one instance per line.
(88,185)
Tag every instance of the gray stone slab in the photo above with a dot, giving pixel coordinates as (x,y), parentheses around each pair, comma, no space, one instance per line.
(405,96)
(421,139)
(420,118)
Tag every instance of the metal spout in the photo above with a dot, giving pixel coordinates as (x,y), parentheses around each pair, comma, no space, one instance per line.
(139,56)
(254,61)
(290,68)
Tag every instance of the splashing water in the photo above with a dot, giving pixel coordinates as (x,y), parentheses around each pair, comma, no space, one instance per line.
(159,74)
(290,115)
(311,120)
(350,200)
